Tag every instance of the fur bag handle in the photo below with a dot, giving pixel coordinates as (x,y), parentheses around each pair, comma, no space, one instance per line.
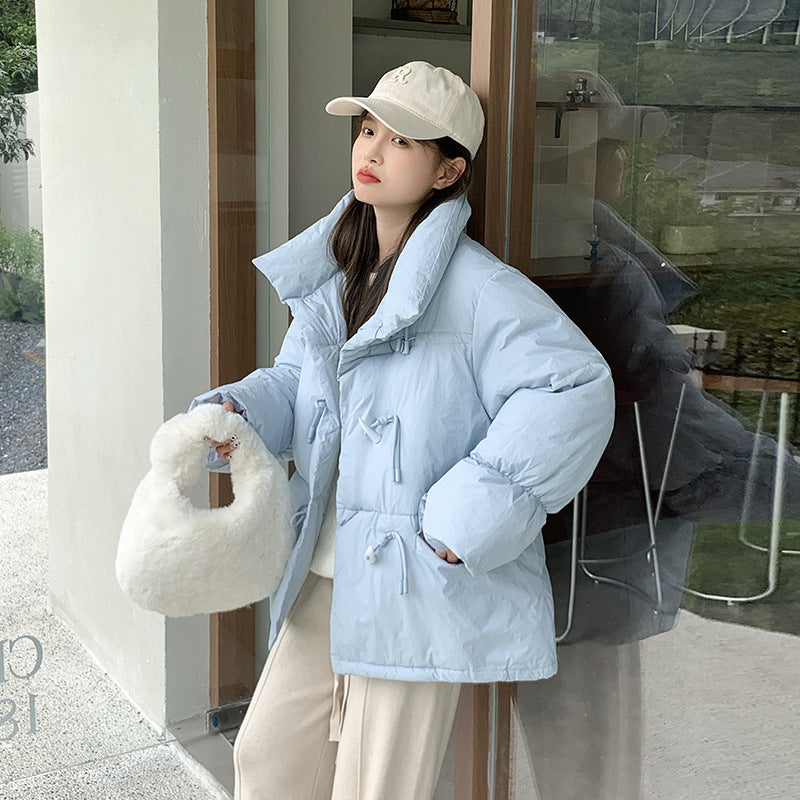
(178,559)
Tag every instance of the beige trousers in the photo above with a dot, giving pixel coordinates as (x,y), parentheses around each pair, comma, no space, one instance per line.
(310,734)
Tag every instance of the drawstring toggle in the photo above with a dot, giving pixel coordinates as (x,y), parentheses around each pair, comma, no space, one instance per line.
(370,556)
(375,438)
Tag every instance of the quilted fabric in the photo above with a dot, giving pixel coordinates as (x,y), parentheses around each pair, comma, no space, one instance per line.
(468,406)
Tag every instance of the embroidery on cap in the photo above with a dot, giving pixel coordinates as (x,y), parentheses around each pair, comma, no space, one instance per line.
(400,75)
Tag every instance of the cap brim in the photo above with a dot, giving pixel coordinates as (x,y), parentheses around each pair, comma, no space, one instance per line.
(402,121)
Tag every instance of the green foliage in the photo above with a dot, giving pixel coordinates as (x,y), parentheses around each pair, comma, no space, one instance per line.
(18,22)
(753,294)
(650,199)
(21,300)
(620,26)
(18,29)
(22,274)
(715,74)
(21,253)
(721,564)
(755,303)
(17,64)
(18,75)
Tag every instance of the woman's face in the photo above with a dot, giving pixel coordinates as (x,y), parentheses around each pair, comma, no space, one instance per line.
(395,174)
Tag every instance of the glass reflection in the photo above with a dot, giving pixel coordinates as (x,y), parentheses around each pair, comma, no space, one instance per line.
(719,470)
(666,224)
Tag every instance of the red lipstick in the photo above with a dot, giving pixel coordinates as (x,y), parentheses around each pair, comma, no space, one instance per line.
(365,176)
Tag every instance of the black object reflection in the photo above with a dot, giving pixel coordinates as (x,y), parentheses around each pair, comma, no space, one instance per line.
(622,306)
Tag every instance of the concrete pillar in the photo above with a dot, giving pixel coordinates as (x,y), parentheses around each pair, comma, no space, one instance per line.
(124,152)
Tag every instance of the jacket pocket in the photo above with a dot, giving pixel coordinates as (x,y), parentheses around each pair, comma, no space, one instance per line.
(421,544)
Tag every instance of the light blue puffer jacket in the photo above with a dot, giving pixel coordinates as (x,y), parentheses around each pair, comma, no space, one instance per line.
(469,406)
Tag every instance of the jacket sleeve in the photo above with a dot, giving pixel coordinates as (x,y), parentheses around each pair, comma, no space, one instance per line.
(266,397)
(550,398)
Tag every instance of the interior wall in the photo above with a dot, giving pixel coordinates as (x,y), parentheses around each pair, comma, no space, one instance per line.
(320,68)
(374,54)
(125,216)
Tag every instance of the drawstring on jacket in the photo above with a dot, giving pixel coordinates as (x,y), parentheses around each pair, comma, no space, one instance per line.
(375,437)
(370,557)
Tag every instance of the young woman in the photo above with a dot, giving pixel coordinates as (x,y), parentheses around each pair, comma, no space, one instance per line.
(437,406)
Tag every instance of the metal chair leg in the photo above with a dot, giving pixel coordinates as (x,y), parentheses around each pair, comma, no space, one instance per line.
(573,564)
(748,490)
(777,513)
(651,525)
(651,551)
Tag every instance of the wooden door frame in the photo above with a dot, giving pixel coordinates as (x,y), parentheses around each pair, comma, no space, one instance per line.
(502,223)
(232,234)
(491,78)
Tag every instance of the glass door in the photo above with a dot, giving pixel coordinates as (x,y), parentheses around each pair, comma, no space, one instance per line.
(666,223)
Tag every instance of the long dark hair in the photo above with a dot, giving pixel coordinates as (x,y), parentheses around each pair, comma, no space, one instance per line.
(354,241)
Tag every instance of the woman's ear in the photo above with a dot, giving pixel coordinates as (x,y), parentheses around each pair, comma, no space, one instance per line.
(450,171)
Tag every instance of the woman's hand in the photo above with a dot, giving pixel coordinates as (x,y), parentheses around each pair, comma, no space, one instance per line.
(448,555)
(224,449)
(445,555)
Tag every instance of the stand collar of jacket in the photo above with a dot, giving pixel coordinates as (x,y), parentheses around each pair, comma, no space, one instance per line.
(298,268)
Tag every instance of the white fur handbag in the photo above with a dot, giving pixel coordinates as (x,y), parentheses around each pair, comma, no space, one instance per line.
(178,559)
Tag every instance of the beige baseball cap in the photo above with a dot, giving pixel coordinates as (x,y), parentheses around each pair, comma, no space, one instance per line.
(421,101)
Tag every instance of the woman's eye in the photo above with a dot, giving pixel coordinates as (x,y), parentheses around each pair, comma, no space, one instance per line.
(400,140)
(366,131)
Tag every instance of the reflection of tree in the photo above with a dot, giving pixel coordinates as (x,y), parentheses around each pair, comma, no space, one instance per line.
(619,28)
(690,73)
(568,19)
(750,288)
(764,136)
(758,306)
(651,199)
(718,75)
